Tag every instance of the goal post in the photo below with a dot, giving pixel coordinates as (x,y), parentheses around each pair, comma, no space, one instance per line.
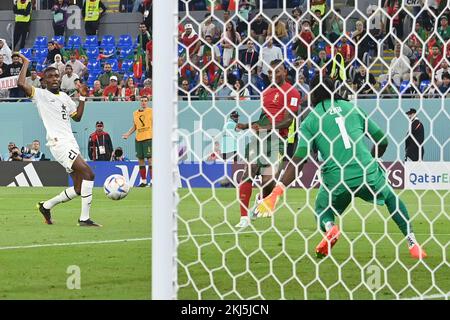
(164,268)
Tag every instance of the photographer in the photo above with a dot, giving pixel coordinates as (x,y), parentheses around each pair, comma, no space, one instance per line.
(15,155)
(33,152)
(118,155)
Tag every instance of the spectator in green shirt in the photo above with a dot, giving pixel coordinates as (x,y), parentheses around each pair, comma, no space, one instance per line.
(444,29)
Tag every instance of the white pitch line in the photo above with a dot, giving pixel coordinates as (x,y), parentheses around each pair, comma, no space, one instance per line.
(32,246)
(433,296)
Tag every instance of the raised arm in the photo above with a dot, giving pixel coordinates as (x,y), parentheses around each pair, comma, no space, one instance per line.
(83,90)
(21,82)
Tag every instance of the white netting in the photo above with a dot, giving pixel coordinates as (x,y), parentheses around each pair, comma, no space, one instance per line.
(385,56)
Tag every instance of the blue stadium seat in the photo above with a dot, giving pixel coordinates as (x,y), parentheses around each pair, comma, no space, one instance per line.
(383,84)
(93,66)
(41,42)
(41,53)
(289,53)
(60,40)
(125,41)
(109,51)
(91,79)
(92,53)
(424,85)
(404,86)
(127,66)
(108,41)
(91,42)
(126,53)
(40,67)
(27,52)
(114,64)
(74,42)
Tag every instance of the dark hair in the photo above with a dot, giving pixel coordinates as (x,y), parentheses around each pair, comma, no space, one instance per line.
(233,32)
(48,69)
(446,75)
(321,91)
(276,63)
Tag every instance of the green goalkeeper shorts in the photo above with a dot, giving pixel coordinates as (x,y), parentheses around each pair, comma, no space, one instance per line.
(337,199)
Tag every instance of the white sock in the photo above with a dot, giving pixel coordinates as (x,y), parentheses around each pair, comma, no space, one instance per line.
(64,196)
(411,238)
(329,225)
(86,198)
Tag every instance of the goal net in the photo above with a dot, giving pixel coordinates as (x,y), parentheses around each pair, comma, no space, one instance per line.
(245,69)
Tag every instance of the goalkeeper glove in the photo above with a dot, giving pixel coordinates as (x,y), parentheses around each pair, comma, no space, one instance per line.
(267,205)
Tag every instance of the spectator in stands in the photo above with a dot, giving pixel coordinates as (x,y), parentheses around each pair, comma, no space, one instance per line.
(147,90)
(335,25)
(239,92)
(280,30)
(96,91)
(392,7)
(77,66)
(53,50)
(112,90)
(208,28)
(5,52)
(149,58)
(68,80)
(226,16)
(190,41)
(146,8)
(435,57)
(4,68)
(203,91)
(33,79)
(33,153)
(208,52)
(292,25)
(59,17)
(445,84)
(14,70)
(59,64)
(421,33)
(130,91)
(11,146)
(364,43)
(322,60)
(347,50)
(100,147)
(259,28)
(230,40)
(302,86)
(399,66)
(93,11)
(107,74)
(444,28)
(443,68)
(22,11)
(320,5)
(223,91)
(143,37)
(362,80)
(249,58)
(184,90)
(268,54)
(300,45)
(316,22)
(15,154)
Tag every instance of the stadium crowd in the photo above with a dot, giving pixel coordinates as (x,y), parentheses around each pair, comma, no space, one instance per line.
(227,55)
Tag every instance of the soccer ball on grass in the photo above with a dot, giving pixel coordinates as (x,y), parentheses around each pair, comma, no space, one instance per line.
(116,187)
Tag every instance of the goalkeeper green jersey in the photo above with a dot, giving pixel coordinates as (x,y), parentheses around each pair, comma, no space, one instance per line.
(337,130)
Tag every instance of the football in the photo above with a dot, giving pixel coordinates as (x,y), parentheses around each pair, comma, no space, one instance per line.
(116,187)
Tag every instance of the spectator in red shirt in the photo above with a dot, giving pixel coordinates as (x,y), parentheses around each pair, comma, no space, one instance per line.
(190,40)
(435,56)
(129,91)
(147,90)
(112,90)
(346,50)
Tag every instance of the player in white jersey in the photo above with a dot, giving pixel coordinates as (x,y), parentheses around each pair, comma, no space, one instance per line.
(56,109)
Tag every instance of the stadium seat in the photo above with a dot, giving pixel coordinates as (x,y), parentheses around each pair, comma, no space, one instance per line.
(404,86)
(91,79)
(92,53)
(41,54)
(424,85)
(41,42)
(127,66)
(40,67)
(60,40)
(27,52)
(108,41)
(91,42)
(126,53)
(109,51)
(114,64)
(74,42)
(125,41)
(93,66)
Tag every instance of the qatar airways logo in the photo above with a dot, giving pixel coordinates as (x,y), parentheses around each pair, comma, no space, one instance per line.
(427,175)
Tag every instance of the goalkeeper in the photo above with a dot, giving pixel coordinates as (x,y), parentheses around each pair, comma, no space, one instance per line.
(348,168)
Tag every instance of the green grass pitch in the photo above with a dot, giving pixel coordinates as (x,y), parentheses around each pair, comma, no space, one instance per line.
(273,259)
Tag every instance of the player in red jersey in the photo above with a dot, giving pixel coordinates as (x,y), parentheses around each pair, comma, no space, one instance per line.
(280,105)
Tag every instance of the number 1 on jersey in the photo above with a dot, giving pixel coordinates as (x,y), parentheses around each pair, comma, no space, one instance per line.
(344,134)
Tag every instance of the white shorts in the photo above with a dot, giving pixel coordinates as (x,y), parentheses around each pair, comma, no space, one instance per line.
(65,152)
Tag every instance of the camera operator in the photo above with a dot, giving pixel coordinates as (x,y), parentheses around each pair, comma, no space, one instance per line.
(15,155)
(33,152)
(118,155)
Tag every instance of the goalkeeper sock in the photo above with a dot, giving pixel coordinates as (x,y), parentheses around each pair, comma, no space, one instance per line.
(64,196)
(245,193)
(399,213)
(326,219)
(86,198)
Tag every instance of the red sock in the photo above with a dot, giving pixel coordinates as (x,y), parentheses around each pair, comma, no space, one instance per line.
(245,193)
(142,172)
(150,172)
